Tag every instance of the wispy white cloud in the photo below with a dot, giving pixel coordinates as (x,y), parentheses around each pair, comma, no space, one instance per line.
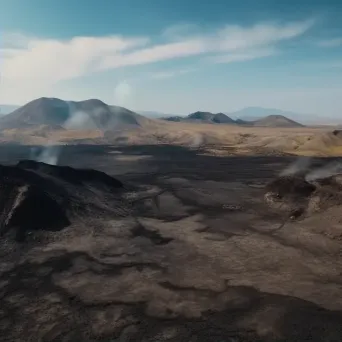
(170,73)
(154,54)
(330,43)
(233,38)
(30,64)
(48,60)
(229,39)
(15,40)
(244,56)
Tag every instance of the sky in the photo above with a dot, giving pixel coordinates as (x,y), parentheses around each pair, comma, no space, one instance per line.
(175,56)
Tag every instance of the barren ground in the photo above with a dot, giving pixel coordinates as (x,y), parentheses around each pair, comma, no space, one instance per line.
(212,139)
(205,260)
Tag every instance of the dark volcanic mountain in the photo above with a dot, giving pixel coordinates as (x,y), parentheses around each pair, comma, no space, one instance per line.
(203,117)
(89,114)
(174,118)
(221,118)
(276,121)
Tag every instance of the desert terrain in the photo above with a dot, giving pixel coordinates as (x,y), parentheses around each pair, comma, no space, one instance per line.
(188,250)
(50,121)
(133,229)
(223,139)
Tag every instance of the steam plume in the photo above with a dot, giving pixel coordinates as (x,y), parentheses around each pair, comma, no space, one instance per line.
(122,92)
(79,120)
(197,140)
(48,155)
(301,164)
(329,170)
(84,116)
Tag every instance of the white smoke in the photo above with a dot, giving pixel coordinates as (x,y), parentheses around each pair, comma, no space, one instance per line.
(329,170)
(197,140)
(301,164)
(122,93)
(49,154)
(79,120)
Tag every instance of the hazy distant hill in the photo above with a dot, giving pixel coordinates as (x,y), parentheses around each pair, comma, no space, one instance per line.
(174,118)
(88,114)
(203,117)
(6,109)
(256,113)
(276,121)
(220,118)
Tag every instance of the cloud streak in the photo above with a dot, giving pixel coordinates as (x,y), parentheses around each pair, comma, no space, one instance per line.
(244,56)
(30,64)
(170,73)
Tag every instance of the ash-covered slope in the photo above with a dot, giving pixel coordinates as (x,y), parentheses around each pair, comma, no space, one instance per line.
(89,114)
(39,196)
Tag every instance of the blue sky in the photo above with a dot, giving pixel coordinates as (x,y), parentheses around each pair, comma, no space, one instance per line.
(175,56)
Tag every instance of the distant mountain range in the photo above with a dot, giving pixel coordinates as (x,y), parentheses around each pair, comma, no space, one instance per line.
(245,114)
(221,118)
(95,114)
(256,113)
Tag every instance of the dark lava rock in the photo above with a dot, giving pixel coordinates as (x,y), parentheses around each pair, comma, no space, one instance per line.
(66,173)
(290,194)
(337,132)
(299,196)
(328,192)
(38,196)
(334,181)
(290,186)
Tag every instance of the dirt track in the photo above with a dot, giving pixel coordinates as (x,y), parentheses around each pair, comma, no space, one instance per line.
(201,258)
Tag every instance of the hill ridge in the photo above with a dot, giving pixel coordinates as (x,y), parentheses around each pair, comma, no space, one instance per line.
(276,120)
(86,114)
(273,120)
